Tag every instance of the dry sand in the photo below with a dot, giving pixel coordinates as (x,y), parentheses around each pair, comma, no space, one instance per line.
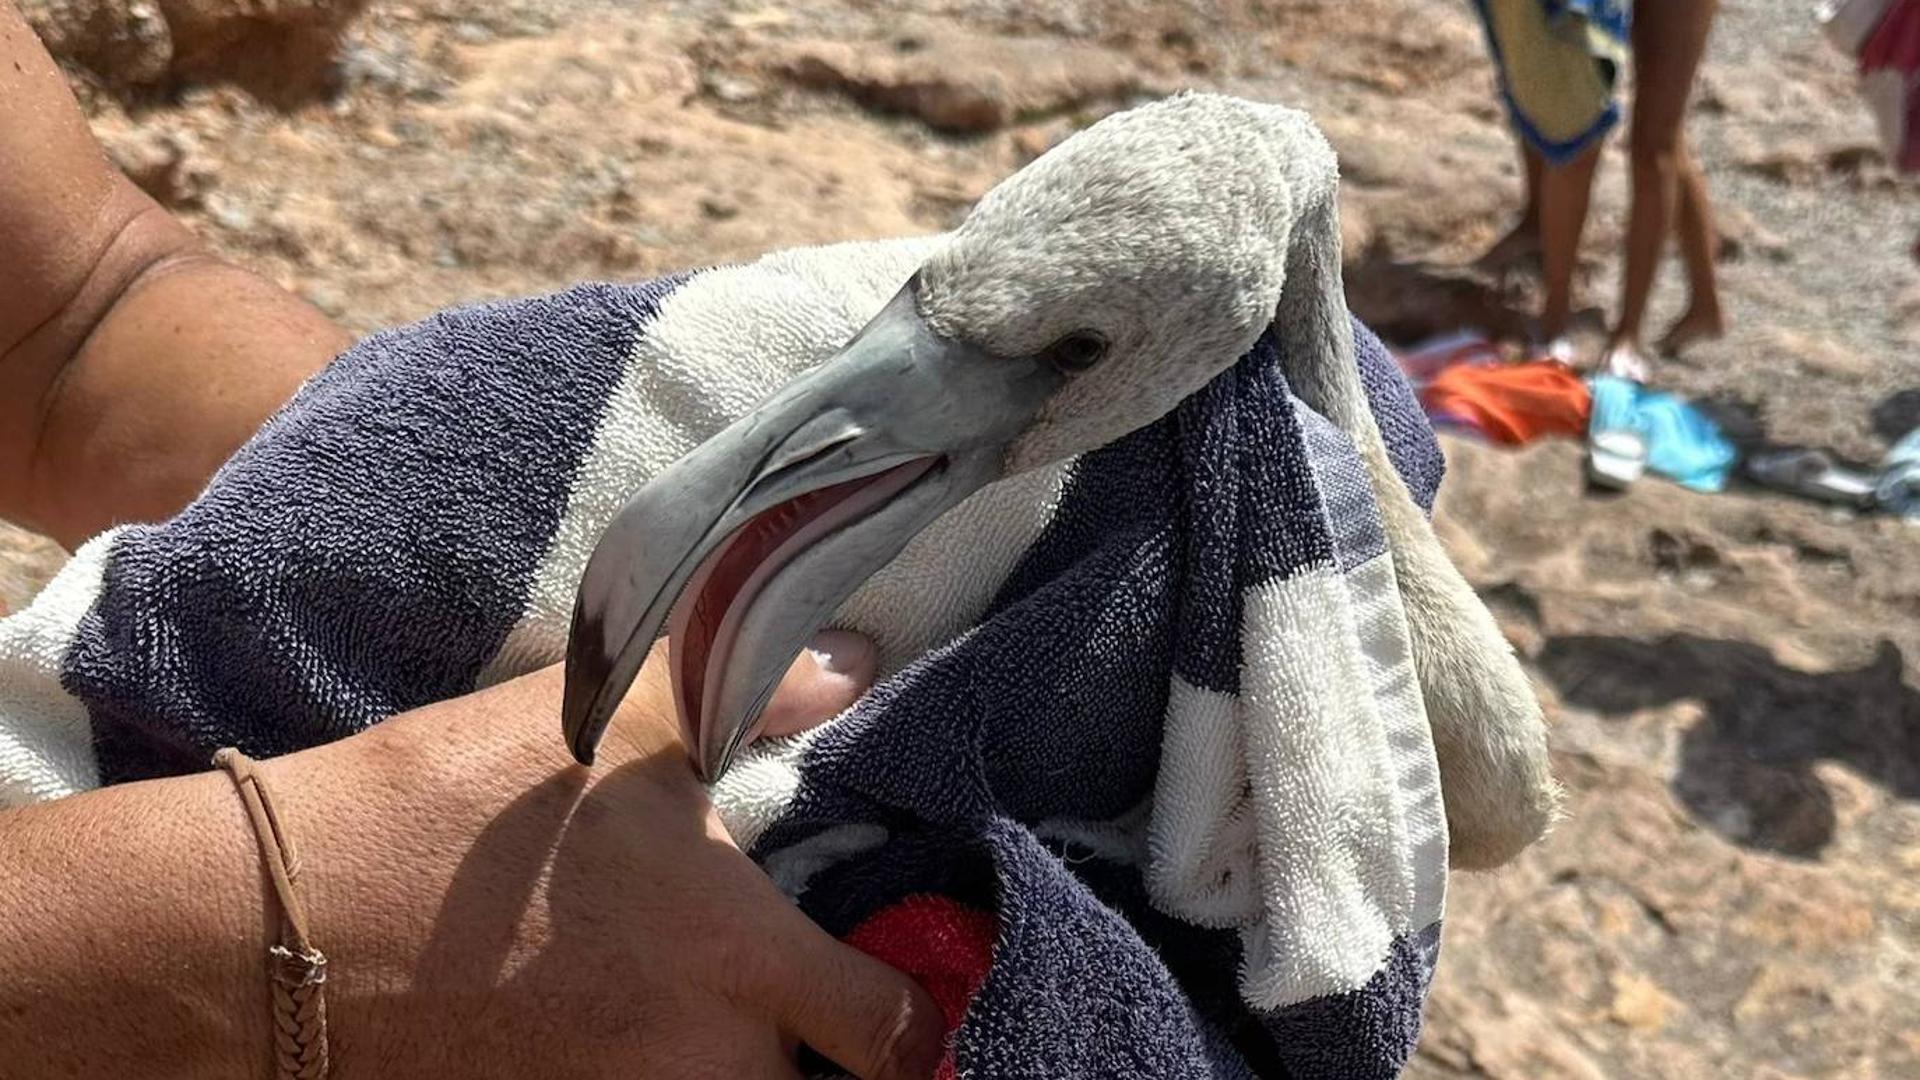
(1731,678)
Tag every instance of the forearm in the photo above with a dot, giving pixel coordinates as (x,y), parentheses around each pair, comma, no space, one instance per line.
(134,920)
(131,930)
(132,363)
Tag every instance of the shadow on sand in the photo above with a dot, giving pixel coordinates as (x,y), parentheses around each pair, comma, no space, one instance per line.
(1746,769)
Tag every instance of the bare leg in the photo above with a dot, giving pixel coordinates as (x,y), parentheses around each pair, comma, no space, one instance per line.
(1699,245)
(1534,165)
(1669,38)
(1564,193)
(1522,242)
(132,362)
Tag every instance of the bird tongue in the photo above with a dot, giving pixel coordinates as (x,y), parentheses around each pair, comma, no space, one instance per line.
(706,621)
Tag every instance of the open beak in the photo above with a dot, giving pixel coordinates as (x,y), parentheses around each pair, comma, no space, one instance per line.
(754,539)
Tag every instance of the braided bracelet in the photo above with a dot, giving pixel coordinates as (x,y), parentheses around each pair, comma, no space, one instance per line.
(297,971)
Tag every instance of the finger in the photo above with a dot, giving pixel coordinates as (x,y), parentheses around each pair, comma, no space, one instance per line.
(836,667)
(867,1017)
(715,1045)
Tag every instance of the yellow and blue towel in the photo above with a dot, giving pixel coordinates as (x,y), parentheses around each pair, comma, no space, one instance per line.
(1558,62)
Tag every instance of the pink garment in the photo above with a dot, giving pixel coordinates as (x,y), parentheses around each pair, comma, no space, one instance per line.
(1890,79)
(1426,361)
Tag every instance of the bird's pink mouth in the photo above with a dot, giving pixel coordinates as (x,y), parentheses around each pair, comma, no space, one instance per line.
(706,621)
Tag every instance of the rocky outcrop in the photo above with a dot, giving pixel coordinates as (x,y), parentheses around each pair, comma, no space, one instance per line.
(279,49)
(959,81)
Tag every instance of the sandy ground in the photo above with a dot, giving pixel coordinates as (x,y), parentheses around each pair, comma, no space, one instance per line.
(1731,678)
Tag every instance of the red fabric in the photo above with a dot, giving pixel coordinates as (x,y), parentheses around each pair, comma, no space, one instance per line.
(1512,404)
(1895,42)
(943,945)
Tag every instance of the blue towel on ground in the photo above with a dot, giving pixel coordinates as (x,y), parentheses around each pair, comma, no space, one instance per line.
(1898,489)
(1683,443)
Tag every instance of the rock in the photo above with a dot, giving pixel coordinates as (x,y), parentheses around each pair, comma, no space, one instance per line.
(27,562)
(1854,157)
(1507,1038)
(1032,141)
(1794,163)
(383,137)
(1742,236)
(125,42)
(1733,93)
(327,298)
(229,214)
(1639,1003)
(761,19)
(1780,991)
(1807,912)
(1861,165)
(1816,355)
(959,81)
(468,32)
(1906,310)
(966,102)
(731,89)
(1356,229)
(386,64)
(168,165)
(281,50)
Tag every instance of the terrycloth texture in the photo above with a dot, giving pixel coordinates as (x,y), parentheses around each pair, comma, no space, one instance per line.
(1151,709)
(1558,61)
(944,945)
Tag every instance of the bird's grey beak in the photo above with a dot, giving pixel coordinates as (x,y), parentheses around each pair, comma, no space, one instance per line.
(753,540)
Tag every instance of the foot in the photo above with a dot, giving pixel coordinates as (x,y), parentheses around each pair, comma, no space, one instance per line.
(1625,360)
(1698,324)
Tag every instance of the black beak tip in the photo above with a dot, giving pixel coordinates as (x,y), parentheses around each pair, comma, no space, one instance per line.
(577,716)
(583,751)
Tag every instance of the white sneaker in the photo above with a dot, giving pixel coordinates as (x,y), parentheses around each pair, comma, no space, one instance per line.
(1625,363)
(1615,459)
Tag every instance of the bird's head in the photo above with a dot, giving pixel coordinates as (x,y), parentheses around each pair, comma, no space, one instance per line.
(1082,299)
(1137,260)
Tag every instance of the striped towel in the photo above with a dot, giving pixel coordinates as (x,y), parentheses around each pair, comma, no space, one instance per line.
(1558,62)
(1146,789)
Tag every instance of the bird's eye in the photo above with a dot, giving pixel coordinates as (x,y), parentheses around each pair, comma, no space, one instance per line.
(1076,352)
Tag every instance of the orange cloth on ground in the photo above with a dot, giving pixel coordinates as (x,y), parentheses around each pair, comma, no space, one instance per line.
(1513,404)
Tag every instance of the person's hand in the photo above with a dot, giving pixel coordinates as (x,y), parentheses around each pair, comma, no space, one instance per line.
(488,907)
(499,911)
